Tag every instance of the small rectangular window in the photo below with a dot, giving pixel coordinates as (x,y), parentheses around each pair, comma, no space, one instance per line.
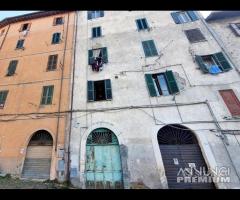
(56,38)
(58,21)
(142,24)
(232,102)
(95,54)
(99,90)
(236,28)
(47,95)
(3,97)
(52,62)
(20,44)
(96,32)
(149,48)
(24,27)
(95,14)
(12,67)
(194,35)
(184,16)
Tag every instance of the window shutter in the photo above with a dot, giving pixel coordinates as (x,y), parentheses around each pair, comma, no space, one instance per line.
(99,31)
(146,48)
(235,29)
(222,61)
(54,38)
(44,95)
(54,21)
(145,24)
(93,32)
(50,94)
(29,26)
(12,67)
(201,64)
(192,15)
(101,13)
(139,25)
(3,96)
(175,18)
(90,57)
(89,13)
(150,84)
(105,55)
(153,48)
(90,89)
(108,89)
(172,84)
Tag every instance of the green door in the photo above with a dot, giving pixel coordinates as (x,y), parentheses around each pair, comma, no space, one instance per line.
(103,163)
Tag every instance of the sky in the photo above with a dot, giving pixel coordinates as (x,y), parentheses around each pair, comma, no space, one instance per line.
(4,14)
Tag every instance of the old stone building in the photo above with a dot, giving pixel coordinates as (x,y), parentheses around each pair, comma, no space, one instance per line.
(35,59)
(153,92)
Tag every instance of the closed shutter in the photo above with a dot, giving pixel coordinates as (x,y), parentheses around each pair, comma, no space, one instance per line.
(192,15)
(222,61)
(153,48)
(144,23)
(56,38)
(235,29)
(105,55)
(175,18)
(231,101)
(91,92)
(52,62)
(150,84)
(89,13)
(149,48)
(3,97)
(12,67)
(47,95)
(20,44)
(146,49)
(94,32)
(101,13)
(90,57)
(99,31)
(194,35)
(172,84)
(108,89)
(50,94)
(139,24)
(201,64)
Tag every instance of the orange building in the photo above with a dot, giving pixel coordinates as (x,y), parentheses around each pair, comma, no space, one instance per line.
(35,93)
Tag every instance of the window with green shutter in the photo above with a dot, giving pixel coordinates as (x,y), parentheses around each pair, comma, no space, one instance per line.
(52,62)
(47,95)
(149,48)
(94,53)
(172,84)
(56,38)
(95,14)
(3,97)
(99,90)
(20,44)
(96,32)
(142,24)
(201,64)
(184,16)
(222,62)
(150,85)
(12,67)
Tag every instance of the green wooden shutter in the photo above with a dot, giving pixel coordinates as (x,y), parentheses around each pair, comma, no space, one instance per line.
(105,55)
(44,95)
(150,84)
(146,48)
(172,84)
(90,57)
(50,94)
(175,17)
(108,89)
(139,25)
(192,15)
(12,67)
(201,64)
(91,92)
(3,96)
(222,61)
(144,23)
(153,48)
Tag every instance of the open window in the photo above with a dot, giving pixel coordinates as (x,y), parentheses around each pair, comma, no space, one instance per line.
(213,64)
(24,27)
(97,58)
(161,84)
(99,90)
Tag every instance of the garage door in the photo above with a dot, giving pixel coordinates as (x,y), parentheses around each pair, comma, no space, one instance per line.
(180,152)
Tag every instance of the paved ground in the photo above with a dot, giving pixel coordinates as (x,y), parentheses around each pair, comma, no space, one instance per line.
(14,183)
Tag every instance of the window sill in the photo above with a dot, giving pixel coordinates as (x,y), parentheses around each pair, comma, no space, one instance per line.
(198,41)
(99,100)
(22,48)
(51,70)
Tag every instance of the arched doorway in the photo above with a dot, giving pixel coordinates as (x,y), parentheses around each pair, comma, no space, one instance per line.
(103,169)
(38,158)
(182,158)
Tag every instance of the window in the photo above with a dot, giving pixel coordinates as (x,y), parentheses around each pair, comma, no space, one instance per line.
(52,62)
(96,32)
(56,38)
(99,90)
(20,44)
(97,57)
(12,67)
(149,48)
(3,97)
(236,28)
(95,14)
(58,21)
(184,17)
(213,64)
(231,101)
(142,24)
(25,27)
(194,35)
(161,84)
(47,95)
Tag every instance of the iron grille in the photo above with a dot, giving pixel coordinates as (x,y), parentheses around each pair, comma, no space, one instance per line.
(102,136)
(41,138)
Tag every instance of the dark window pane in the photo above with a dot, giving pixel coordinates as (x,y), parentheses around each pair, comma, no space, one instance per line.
(194,35)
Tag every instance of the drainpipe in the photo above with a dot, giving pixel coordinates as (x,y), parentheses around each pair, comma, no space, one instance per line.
(220,43)
(71,109)
(61,84)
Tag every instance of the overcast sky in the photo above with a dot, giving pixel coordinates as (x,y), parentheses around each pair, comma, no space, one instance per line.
(4,14)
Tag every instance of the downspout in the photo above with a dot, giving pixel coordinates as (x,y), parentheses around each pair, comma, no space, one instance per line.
(61,84)
(220,43)
(71,109)
(5,37)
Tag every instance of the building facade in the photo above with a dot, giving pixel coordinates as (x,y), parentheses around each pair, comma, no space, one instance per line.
(36,58)
(153,92)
